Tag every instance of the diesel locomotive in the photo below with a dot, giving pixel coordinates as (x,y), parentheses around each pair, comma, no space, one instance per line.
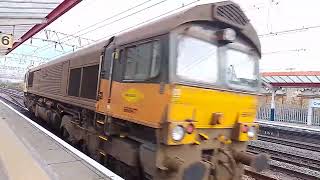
(172,99)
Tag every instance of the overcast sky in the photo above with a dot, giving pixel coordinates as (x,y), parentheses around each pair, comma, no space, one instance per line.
(292,50)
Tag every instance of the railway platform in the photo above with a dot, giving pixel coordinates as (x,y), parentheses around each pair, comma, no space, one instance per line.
(30,152)
(289,125)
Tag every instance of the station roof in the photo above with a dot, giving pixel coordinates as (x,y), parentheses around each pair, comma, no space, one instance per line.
(292,79)
(24,18)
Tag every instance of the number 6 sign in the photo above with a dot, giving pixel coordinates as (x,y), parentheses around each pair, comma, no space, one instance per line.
(6,41)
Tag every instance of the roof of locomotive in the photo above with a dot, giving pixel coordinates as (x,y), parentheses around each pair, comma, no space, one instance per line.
(158,27)
(202,12)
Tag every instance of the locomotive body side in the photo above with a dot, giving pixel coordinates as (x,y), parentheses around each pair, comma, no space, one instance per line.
(51,80)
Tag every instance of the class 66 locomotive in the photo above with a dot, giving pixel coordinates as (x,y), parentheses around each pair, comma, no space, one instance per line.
(172,99)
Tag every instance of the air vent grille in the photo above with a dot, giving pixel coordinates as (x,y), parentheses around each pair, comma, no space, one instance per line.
(233,13)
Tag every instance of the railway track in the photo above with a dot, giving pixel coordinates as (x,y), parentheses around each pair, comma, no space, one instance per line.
(291,143)
(292,164)
(292,173)
(13,96)
(258,176)
(288,157)
(296,136)
(13,92)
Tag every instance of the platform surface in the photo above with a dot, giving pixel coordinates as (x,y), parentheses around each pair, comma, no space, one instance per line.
(290,125)
(28,153)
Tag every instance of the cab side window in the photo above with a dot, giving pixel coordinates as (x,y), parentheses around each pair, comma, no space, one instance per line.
(142,61)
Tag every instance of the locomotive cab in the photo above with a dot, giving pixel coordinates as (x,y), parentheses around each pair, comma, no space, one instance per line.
(205,56)
(215,76)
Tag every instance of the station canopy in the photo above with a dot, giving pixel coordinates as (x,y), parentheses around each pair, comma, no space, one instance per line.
(292,79)
(21,19)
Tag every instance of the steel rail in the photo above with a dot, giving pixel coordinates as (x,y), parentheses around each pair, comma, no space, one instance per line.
(11,98)
(291,143)
(257,175)
(293,173)
(287,157)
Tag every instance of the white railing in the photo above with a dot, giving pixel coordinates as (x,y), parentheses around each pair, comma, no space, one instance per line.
(316,117)
(289,114)
(264,112)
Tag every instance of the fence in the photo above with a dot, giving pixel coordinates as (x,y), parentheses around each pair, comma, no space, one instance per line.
(316,117)
(289,114)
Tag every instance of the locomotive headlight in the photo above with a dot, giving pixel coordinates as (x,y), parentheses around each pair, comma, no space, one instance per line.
(251,132)
(227,34)
(177,133)
(246,131)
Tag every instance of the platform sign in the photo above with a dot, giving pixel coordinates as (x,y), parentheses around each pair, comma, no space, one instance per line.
(6,40)
(315,103)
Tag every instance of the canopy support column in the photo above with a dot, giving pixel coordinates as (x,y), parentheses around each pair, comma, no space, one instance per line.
(272,109)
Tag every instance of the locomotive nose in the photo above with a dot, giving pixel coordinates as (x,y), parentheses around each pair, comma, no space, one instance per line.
(257,161)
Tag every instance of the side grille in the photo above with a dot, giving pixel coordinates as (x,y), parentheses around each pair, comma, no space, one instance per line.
(233,13)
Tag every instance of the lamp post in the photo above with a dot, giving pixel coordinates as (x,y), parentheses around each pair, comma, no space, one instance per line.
(272,110)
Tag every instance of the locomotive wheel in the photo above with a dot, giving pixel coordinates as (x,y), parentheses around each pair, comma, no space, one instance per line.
(64,134)
(122,169)
(82,146)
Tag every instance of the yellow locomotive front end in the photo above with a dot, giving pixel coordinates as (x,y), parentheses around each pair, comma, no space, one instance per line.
(214,83)
(215,80)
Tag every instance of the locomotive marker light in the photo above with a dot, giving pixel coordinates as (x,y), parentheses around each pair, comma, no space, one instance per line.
(178,133)
(245,129)
(252,132)
(229,34)
(6,40)
(190,128)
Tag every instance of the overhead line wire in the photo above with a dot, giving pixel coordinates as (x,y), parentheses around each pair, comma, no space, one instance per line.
(289,31)
(113,16)
(125,16)
(149,20)
(131,27)
(119,19)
